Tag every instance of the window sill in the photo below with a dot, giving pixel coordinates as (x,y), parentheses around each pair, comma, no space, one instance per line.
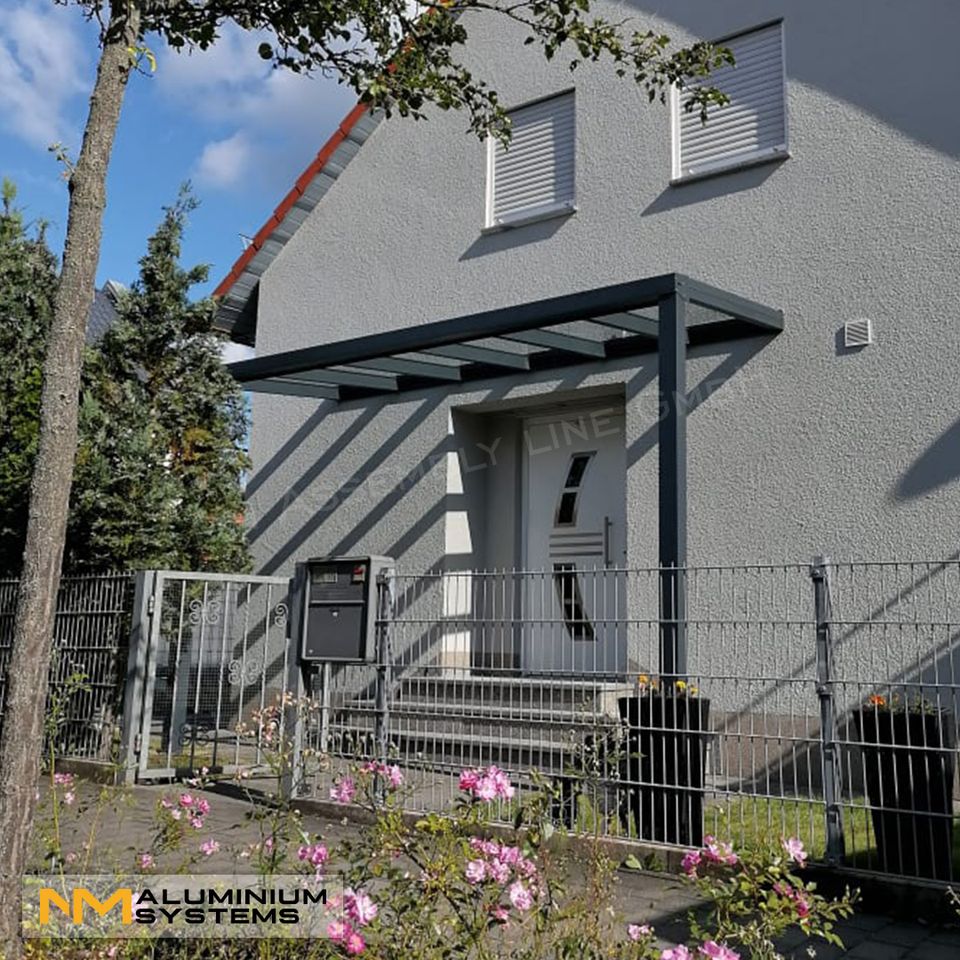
(777,155)
(535,216)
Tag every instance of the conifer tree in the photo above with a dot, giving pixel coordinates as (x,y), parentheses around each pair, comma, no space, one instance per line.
(162,427)
(28,281)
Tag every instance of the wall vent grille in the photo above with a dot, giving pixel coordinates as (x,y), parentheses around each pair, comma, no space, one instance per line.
(858,333)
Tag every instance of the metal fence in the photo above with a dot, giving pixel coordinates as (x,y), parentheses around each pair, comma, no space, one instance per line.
(216,654)
(816,701)
(87,670)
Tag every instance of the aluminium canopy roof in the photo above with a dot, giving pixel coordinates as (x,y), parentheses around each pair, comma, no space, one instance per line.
(609,322)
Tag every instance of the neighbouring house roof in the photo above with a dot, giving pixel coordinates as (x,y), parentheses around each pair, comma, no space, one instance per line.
(103,311)
(237,292)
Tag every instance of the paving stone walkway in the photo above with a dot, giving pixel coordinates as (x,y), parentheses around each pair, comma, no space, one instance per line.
(653,898)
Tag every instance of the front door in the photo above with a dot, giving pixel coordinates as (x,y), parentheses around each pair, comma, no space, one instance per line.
(575,540)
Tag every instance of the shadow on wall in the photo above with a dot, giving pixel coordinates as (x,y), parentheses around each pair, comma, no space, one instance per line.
(508,239)
(837,47)
(936,467)
(709,188)
(384,483)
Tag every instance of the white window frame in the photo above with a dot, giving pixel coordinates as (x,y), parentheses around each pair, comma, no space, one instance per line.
(536,214)
(779,152)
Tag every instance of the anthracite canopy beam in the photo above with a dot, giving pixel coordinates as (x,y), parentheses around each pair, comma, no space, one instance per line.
(412,368)
(285,386)
(351,378)
(459,330)
(632,323)
(565,342)
(539,324)
(486,355)
(766,319)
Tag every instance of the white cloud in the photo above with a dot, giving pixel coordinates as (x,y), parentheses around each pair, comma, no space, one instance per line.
(270,122)
(44,65)
(225,163)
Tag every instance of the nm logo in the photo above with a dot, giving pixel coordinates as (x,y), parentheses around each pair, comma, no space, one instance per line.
(82,898)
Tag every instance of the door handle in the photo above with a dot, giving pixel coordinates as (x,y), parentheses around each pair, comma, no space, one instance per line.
(607,527)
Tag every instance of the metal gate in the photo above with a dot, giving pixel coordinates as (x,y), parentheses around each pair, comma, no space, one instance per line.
(217,651)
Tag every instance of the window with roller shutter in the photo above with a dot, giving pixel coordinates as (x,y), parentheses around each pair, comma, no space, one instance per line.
(534,177)
(752,127)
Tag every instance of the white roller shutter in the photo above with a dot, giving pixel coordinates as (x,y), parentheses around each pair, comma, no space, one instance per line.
(753,125)
(535,175)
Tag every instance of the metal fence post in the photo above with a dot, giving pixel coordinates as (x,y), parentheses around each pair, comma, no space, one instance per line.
(384,664)
(295,684)
(830,757)
(133,689)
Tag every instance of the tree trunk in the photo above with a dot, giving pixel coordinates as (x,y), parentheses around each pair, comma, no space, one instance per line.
(23,721)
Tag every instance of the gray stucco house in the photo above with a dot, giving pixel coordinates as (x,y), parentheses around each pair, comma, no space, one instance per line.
(629,340)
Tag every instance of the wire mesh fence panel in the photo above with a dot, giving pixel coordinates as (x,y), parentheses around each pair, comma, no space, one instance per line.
(90,637)
(810,701)
(896,633)
(218,657)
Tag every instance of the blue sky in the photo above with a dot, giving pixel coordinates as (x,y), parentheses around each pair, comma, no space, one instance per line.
(239,131)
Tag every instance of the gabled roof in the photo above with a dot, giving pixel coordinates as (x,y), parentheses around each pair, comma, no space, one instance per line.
(237,292)
(103,310)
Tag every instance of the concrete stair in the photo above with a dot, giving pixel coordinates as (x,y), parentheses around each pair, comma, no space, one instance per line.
(515,722)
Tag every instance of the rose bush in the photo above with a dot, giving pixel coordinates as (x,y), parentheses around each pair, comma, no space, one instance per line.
(458,884)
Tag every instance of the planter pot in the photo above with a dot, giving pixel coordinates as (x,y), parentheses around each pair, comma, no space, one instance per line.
(909,761)
(665,743)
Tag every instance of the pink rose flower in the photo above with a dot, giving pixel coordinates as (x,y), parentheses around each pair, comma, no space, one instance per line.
(794,850)
(359,907)
(354,943)
(690,862)
(69,797)
(637,931)
(186,800)
(344,791)
(469,780)
(202,806)
(196,823)
(209,847)
(520,896)
(510,855)
(337,930)
(718,852)
(499,871)
(718,951)
(316,854)
(501,782)
(679,952)
(394,776)
(485,789)
(63,779)
(475,872)
(500,914)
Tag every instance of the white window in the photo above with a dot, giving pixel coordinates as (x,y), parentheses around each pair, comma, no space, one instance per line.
(752,127)
(533,178)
